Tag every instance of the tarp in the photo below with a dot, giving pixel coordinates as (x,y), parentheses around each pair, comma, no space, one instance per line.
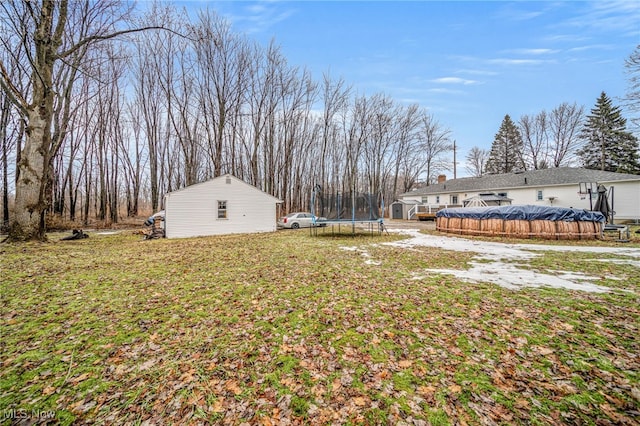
(602,203)
(527,212)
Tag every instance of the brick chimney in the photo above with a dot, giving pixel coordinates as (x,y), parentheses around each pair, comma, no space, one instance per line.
(442,178)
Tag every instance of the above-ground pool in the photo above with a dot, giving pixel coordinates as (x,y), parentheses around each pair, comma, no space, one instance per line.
(554,223)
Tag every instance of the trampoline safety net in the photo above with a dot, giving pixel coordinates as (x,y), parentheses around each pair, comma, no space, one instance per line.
(346,206)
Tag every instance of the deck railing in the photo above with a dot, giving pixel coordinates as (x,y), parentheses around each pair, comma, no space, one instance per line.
(427,208)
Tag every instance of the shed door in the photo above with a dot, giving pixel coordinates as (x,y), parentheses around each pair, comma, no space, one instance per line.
(396,211)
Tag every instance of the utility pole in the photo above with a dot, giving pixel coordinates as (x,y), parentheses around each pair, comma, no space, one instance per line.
(454,159)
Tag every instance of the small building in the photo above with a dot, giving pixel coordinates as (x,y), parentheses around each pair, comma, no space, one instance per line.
(558,187)
(399,209)
(222,205)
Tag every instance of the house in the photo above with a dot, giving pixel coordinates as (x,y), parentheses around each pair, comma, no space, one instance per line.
(223,205)
(560,187)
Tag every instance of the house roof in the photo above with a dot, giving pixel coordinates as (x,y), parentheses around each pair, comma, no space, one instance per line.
(225,176)
(406,202)
(531,178)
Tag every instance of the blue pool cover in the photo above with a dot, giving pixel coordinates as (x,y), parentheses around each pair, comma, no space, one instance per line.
(526,212)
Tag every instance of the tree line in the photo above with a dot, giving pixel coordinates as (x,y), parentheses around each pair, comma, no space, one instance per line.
(184,101)
(566,136)
(100,121)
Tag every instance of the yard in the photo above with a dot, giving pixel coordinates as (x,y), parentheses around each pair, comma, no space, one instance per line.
(285,328)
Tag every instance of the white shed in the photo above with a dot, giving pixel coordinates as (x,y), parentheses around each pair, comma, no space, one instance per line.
(223,205)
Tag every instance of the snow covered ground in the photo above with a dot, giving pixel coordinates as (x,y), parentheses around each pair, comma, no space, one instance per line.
(506,264)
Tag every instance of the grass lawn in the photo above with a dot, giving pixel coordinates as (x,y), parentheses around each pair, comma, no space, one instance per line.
(286,328)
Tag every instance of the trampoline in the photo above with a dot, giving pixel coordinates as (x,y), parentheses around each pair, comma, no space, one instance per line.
(347,208)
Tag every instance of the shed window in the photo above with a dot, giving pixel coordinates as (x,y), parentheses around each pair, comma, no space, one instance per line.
(539,195)
(222,209)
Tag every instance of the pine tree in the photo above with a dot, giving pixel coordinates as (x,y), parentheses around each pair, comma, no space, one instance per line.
(608,144)
(506,151)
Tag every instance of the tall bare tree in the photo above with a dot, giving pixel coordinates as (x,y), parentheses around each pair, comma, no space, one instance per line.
(335,99)
(56,37)
(476,161)
(223,59)
(408,162)
(535,140)
(632,99)
(435,143)
(565,122)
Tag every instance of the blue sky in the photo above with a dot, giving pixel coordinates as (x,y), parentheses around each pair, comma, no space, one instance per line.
(468,63)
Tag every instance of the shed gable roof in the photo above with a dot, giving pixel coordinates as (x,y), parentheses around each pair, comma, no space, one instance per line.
(531,178)
(220,178)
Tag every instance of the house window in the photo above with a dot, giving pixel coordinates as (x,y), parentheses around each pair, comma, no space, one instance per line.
(539,195)
(222,209)
(437,199)
(425,200)
(454,199)
(502,194)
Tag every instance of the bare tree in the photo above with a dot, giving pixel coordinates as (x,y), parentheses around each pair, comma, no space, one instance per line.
(223,63)
(407,162)
(476,161)
(57,36)
(335,99)
(153,75)
(565,122)
(632,99)
(535,140)
(435,142)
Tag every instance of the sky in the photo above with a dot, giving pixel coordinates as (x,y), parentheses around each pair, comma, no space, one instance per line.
(468,63)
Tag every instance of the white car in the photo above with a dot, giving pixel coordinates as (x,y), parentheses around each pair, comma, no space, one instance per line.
(300,220)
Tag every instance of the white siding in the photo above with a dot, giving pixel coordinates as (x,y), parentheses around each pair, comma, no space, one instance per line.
(626,197)
(193,211)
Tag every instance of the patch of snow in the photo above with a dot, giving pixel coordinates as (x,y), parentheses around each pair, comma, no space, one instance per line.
(364,254)
(498,263)
(635,263)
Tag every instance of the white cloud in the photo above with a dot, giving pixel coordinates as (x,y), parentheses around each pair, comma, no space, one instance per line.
(534,52)
(454,80)
(476,72)
(608,16)
(260,16)
(517,61)
(591,47)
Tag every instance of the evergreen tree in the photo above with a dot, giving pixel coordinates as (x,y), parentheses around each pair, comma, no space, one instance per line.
(608,144)
(506,151)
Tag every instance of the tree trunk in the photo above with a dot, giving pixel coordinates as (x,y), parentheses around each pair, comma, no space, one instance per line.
(31,201)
